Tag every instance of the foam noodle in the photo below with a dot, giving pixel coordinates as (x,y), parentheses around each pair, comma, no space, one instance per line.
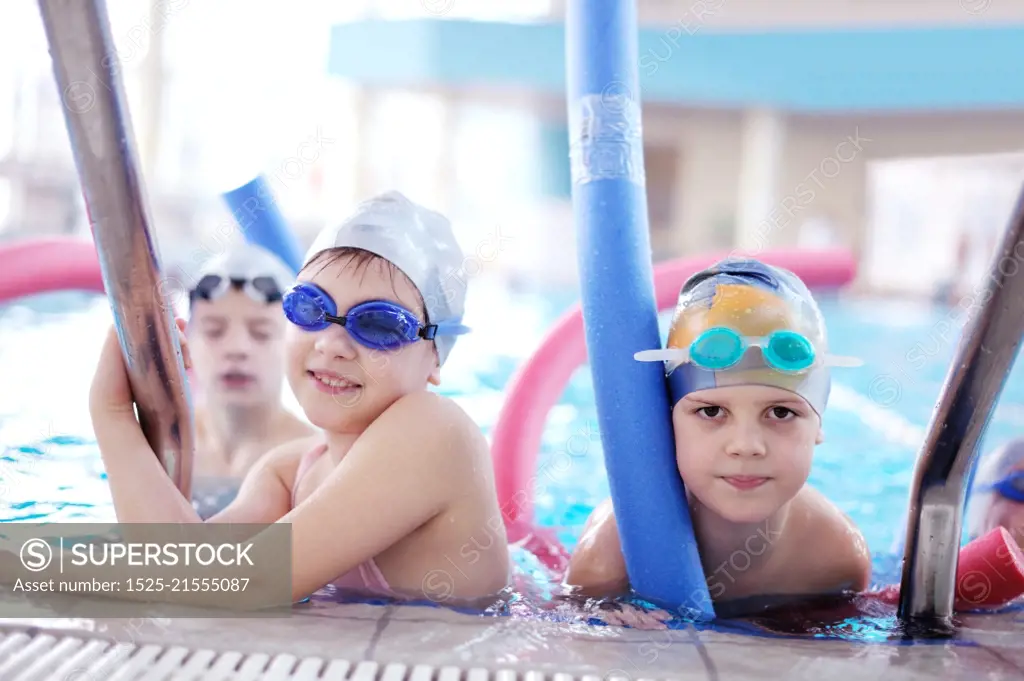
(989,574)
(255,210)
(48,265)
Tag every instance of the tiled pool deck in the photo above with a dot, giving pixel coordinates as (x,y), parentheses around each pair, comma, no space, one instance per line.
(989,646)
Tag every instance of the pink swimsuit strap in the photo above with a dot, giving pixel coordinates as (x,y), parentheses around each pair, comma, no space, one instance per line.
(305,463)
(365,577)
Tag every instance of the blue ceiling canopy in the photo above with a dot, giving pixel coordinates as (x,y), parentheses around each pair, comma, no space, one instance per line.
(820,71)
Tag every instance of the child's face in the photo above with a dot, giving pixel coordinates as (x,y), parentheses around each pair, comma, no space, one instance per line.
(237,347)
(744,451)
(342,385)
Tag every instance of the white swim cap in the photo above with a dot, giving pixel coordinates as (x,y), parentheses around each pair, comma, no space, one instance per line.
(255,270)
(419,242)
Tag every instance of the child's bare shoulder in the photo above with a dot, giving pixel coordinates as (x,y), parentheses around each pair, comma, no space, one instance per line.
(840,553)
(433,422)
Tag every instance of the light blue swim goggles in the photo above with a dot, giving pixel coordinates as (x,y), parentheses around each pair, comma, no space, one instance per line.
(720,348)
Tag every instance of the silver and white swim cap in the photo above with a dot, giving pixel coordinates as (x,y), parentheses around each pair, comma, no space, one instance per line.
(419,242)
(260,273)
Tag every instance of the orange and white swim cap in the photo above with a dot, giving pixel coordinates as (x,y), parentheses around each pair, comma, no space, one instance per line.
(742,322)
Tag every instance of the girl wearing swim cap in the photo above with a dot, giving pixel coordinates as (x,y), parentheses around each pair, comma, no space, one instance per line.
(236,335)
(748,372)
(395,496)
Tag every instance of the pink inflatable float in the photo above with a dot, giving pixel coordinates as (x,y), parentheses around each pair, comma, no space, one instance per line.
(48,265)
(539,383)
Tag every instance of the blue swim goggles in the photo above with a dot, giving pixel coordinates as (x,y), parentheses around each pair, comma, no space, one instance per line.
(1010,487)
(720,348)
(376,324)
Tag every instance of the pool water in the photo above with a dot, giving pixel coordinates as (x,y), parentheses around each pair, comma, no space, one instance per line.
(50,469)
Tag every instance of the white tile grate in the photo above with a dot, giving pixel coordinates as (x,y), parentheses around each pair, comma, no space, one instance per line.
(29,656)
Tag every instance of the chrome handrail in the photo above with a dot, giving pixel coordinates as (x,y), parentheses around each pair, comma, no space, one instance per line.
(975,380)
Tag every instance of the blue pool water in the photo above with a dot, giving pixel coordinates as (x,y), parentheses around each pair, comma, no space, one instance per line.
(51,471)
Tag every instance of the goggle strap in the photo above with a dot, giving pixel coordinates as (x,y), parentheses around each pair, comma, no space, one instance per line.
(680,355)
(661,355)
(450,329)
(845,362)
(340,321)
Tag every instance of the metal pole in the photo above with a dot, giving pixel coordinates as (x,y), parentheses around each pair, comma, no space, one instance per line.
(975,380)
(99,126)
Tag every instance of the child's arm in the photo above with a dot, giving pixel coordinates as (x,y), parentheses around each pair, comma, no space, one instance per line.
(858,565)
(597,566)
(404,470)
(141,490)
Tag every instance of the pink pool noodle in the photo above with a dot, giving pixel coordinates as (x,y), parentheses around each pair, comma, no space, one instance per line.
(48,265)
(989,573)
(539,383)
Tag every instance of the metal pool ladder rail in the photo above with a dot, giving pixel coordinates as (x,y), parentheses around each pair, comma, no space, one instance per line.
(30,655)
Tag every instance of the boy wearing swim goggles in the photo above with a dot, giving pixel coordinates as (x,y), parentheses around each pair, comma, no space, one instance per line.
(236,339)
(400,481)
(997,493)
(748,373)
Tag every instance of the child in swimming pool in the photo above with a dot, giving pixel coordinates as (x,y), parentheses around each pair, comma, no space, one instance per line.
(236,336)
(746,422)
(997,493)
(385,500)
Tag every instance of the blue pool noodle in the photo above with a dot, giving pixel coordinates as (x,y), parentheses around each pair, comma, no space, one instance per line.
(620,310)
(255,210)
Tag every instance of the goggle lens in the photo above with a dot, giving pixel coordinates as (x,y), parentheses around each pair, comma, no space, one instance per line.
(717,349)
(379,326)
(720,348)
(304,310)
(789,351)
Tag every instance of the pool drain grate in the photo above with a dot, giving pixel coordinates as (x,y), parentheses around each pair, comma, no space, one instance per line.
(29,656)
